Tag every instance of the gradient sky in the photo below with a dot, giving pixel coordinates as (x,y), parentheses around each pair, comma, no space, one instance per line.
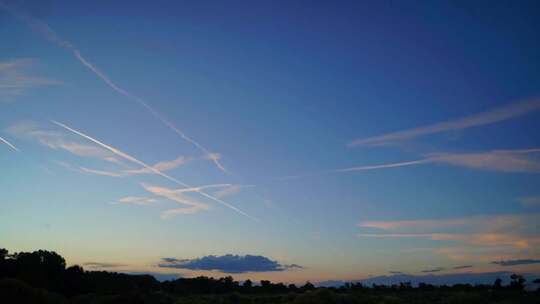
(351,138)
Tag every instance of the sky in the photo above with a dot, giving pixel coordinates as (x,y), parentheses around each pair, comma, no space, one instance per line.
(280,140)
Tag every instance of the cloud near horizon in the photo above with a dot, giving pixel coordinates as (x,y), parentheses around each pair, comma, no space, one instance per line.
(99,265)
(462,267)
(484,118)
(472,238)
(228,263)
(516,262)
(438,269)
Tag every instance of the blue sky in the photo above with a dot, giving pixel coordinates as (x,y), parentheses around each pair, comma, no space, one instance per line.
(350,139)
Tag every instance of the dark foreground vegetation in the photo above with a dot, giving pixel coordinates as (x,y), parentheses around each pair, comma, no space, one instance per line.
(42,277)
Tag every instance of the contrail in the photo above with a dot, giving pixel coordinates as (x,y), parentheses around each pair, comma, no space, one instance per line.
(358,168)
(383,166)
(51,35)
(9,144)
(484,118)
(156,171)
(199,188)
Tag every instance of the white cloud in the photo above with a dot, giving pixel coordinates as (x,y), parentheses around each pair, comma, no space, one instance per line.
(215,157)
(524,160)
(100,172)
(230,190)
(178,211)
(193,206)
(518,160)
(156,171)
(49,34)
(161,166)
(137,200)
(59,141)
(515,231)
(488,117)
(15,80)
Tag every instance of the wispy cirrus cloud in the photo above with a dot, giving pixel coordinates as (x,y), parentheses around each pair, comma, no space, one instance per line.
(84,170)
(101,265)
(132,159)
(59,141)
(518,160)
(215,158)
(181,196)
(160,166)
(193,206)
(503,113)
(16,81)
(231,190)
(483,239)
(481,222)
(137,200)
(100,172)
(505,231)
(48,33)
(509,161)
(505,161)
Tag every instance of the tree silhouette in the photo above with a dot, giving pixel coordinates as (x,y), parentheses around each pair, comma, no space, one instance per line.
(307,286)
(517,281)
(42,277)
(497,285)
(40,268)
(3,254)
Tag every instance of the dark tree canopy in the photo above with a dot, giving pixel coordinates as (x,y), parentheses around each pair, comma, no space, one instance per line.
(42,277)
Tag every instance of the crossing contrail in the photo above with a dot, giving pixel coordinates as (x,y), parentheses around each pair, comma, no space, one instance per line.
(49,34)
(153,169)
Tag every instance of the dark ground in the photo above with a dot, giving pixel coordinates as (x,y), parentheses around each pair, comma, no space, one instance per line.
(42,277)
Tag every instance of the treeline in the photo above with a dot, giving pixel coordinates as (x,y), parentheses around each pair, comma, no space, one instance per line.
(47,270)
(26,272)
